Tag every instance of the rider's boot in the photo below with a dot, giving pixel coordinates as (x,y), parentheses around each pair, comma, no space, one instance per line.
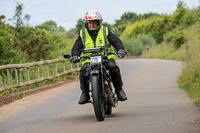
(121,94)
(85,97)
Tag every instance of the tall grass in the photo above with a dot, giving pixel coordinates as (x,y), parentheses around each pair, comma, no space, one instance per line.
(166,51)
(190,78)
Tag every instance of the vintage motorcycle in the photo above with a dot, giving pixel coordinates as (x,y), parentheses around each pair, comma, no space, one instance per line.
(103,96)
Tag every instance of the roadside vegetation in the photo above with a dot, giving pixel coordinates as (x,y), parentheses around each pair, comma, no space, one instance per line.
(151,35)
(183,43)
(21,43)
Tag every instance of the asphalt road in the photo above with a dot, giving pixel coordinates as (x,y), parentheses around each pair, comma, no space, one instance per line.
(155,105)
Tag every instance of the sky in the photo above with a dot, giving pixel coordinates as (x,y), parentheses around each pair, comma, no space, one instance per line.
(67,12)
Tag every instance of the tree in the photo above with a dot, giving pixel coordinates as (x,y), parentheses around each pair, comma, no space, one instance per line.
(49,26)
(80,24)
(149,15)
(52,27)
(61,29)
(180,4)
(72,33)
(18,17)
(1,19)
(106,25)
(126,18)
(37,43)
(8,52)
(178,16)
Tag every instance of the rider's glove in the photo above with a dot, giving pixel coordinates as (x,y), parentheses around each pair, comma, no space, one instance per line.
(121,53)
(74,59)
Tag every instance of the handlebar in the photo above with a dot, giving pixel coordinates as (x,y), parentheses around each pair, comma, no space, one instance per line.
(88,57)
(109,53)
(94,51)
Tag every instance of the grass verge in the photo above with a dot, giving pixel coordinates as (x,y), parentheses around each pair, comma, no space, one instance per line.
(189,80)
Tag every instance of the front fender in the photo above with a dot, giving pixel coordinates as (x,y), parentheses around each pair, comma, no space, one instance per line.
(94,72)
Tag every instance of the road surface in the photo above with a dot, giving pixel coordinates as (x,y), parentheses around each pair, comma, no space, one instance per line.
(155,105)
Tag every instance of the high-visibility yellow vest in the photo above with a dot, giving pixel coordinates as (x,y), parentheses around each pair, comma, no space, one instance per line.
(101,40)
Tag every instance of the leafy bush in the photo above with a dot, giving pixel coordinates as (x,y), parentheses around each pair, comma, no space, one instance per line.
(136,46)
(179,40)
(177,17)
(156,27)
(129,18)
(175,37)
(190,17)
(133,46)
(147,40)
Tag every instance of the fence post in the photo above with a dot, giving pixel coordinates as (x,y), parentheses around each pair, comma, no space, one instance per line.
(77,65)
(71,68)
(38,74)
(1,83)
(56,70)
(16,78)
(63,66)
(63,69)
(28,77)
(147,49)
(47,70)
(8,78)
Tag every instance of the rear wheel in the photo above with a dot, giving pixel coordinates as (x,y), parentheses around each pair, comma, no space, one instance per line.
(98,98)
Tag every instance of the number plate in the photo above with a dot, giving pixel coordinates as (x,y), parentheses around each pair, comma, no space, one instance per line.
(95,60)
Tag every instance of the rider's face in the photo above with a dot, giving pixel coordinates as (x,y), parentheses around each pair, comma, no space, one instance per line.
(92,25)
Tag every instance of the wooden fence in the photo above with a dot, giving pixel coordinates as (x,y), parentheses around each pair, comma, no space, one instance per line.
(16,67)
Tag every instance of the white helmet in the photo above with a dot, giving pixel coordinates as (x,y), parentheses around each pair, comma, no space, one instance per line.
(93,15)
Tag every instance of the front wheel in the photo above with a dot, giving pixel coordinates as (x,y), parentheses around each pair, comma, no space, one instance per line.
(98,98)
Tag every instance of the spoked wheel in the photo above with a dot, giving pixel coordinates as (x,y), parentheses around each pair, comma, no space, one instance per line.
(98,99)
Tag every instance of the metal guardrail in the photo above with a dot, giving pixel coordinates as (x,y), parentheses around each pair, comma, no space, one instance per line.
(16,67)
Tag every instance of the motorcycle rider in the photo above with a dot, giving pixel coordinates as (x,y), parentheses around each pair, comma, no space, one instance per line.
(95,35)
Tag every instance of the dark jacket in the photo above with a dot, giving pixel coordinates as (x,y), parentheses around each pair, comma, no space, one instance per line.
(112,38)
